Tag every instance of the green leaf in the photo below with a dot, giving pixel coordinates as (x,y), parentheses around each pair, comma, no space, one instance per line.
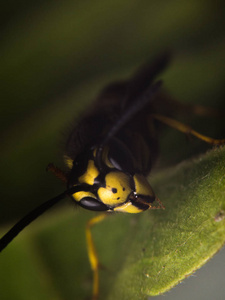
(169,245)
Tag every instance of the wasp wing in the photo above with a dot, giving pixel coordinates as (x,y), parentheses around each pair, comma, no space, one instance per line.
(116,105)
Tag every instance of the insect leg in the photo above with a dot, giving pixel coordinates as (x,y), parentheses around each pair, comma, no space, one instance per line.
(187,129)
(189,108)
(171,105)
(57,172)
(92,254)
(201,110)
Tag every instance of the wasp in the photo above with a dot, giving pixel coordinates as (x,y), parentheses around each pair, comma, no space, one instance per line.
(111,152)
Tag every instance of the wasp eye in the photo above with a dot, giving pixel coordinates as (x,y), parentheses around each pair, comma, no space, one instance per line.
(92,204)
(120,157)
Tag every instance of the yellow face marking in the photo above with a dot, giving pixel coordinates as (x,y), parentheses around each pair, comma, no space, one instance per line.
(142,187)
(117,189)
(80,195)
(90,174)
(68,161)
(128,208)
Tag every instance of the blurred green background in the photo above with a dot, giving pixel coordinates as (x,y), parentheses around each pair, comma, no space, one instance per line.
(56,55)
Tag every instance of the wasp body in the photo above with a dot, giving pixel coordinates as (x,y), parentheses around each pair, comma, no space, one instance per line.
(118,181)
(112,157)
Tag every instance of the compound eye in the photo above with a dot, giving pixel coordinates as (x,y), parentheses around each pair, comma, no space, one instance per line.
(92,204)
(121,157)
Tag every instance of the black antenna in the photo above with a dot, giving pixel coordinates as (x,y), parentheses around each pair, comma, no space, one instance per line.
(136,106)
(31,216)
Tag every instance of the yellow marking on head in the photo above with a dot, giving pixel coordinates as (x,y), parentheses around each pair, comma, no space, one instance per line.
(80,195)
(117,189)
(90,174)
(68,161)
(128,208)
(142,187)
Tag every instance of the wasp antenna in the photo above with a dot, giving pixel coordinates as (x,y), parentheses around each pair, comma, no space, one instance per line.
(25,221)
(34,214)
(137,106)
(145,98)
